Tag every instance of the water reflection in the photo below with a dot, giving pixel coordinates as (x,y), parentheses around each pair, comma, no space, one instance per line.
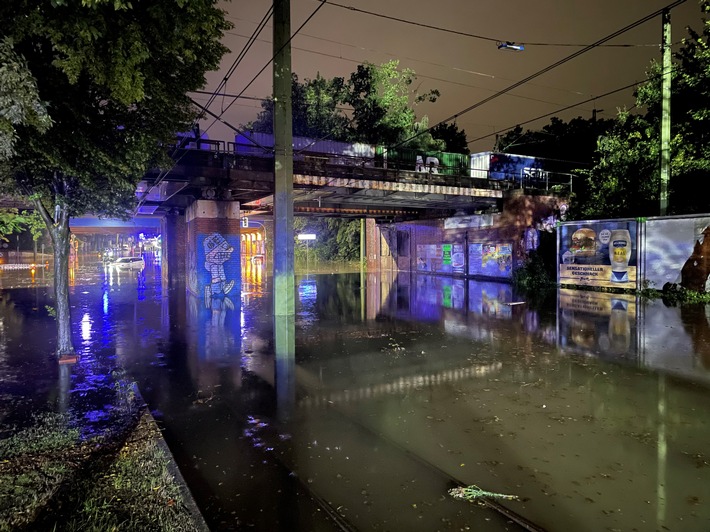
(600,323)
(385,391)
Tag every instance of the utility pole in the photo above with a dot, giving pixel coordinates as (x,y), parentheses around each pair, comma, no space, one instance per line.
(665,113)
(284,284)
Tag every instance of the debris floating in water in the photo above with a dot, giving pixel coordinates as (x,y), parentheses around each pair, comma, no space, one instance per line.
(473,492)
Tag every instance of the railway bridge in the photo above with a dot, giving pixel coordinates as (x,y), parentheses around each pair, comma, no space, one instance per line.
(215,201)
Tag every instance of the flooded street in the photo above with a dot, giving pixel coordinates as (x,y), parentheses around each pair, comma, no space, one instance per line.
(592,409)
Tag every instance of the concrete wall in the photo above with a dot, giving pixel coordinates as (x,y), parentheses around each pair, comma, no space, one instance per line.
(174,248)
(393,247)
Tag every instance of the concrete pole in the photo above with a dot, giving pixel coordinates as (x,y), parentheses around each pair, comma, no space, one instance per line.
(363,266)
(284,296)
(363,245)
(666,114)
(284,282)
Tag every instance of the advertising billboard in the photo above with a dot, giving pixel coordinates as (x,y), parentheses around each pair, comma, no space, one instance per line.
(598,253)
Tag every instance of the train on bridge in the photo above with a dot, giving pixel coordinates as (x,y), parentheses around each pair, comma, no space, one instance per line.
(515,170)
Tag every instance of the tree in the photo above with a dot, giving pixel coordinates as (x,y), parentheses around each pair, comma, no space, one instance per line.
(336,239)
(315,109)
(383,101)
(19,99)
(114,77)
(10,222)
(454,139)
(625,178)
(574,141)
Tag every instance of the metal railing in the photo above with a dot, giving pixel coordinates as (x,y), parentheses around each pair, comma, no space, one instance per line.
(224,155)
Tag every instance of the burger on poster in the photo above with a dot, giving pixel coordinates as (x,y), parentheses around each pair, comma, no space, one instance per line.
(584,242)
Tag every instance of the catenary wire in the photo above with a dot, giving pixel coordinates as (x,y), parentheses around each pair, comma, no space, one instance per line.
(288,41)
(542,71)
(165,173)
(423,76)
(567,108)
(240,57)
(473,35)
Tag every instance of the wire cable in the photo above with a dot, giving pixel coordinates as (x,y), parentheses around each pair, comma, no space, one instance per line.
(422,76)
(473,35)
(609,93)
(165,173)
(288,41)
(547,69)
(250,42)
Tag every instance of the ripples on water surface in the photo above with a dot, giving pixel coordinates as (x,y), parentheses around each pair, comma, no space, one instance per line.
(594,410)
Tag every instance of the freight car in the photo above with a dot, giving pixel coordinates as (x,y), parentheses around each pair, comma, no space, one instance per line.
(512,170)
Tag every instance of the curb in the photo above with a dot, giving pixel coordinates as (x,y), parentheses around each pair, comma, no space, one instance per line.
(197,517)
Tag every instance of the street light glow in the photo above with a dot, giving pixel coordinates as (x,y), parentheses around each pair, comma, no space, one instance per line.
(306,236)
(511,46)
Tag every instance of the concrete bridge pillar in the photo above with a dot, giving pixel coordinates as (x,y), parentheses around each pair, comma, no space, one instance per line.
(174,248)
(213,252)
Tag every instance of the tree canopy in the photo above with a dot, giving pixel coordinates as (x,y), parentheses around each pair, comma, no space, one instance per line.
(113,77)
(19,99)
(573,141)
(375,105)
(625,179)
(454,139)
(315,107)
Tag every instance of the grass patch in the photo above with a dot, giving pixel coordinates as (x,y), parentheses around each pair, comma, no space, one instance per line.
(137,491)
(121,480)
(33,465)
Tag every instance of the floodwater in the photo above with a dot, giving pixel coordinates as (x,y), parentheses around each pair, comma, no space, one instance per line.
(592,409)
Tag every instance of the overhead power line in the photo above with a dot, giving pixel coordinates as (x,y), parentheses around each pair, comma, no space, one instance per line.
(423,76)
(323,2)
(165,173)
(247,46)
(567,108)
(473,35)
(547,69)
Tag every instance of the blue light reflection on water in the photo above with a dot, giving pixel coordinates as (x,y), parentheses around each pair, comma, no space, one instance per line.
(484,365)
(86,327)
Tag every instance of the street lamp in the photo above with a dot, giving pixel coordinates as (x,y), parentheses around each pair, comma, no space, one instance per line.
(510,46)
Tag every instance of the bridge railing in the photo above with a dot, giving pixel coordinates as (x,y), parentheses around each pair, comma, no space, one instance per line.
(358,167)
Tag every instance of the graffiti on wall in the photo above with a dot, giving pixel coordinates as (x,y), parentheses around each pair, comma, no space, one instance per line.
(440,258)
(677,251)
(214,268)
(214,280)
(490,259)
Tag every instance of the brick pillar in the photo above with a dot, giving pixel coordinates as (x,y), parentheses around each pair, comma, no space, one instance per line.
(213,250)
(174,248)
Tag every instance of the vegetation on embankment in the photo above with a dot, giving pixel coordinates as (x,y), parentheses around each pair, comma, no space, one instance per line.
(51,479)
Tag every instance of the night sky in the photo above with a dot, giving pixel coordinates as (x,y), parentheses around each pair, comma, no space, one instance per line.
(464,69)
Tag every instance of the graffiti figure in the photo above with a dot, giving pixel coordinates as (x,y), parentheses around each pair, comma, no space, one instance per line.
(217,252)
